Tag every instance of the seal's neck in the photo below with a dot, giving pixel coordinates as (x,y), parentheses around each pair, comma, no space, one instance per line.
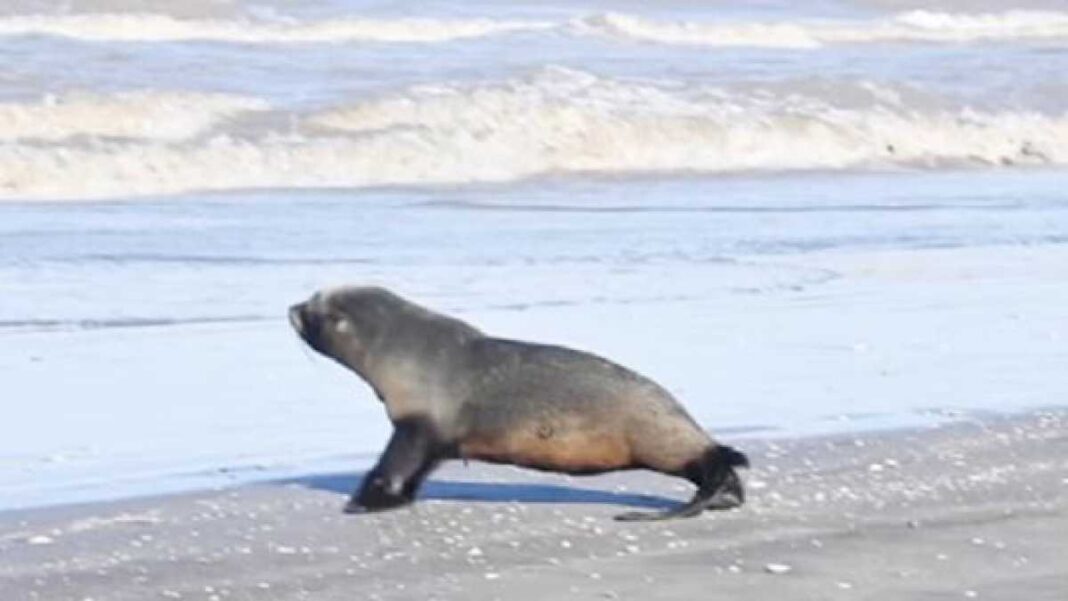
(414,363)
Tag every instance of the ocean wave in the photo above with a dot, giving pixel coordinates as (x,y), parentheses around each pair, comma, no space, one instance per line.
(217,260)
(33,325)
(557,121)
(139,114)
(912,26)
(165,28)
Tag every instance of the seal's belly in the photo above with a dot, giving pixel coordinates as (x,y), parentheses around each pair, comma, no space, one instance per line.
(547,447)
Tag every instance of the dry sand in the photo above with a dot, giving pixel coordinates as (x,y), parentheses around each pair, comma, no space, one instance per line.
(976,509)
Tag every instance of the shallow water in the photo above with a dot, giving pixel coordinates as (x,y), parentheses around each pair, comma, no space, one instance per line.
(145,346)
(839,216)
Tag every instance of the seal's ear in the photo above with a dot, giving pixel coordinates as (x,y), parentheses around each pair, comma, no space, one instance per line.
(344,325)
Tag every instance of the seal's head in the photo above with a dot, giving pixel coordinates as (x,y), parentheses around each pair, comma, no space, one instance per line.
(343,323)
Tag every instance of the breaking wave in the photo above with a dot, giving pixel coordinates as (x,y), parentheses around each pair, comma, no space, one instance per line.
(556,121)
(140,114)
(165,28)
(912,26)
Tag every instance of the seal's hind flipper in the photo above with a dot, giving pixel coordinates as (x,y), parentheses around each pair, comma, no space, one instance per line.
(686,510)
(718,487)
(728,496)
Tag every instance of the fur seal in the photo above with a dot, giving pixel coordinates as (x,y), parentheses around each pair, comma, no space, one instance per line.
(453,392)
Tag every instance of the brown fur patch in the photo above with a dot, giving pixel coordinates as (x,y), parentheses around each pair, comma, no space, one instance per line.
(572,451)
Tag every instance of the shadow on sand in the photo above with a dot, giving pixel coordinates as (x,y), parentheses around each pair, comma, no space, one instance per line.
(492,492)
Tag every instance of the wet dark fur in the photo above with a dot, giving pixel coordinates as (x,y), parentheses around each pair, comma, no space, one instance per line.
(453,392)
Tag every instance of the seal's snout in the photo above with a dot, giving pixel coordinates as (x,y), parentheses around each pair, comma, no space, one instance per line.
(308,324)
(296,318)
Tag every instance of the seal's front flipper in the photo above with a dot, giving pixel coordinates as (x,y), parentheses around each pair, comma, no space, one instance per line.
(411,454)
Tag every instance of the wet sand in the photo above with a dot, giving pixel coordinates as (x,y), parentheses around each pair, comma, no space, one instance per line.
(974,509)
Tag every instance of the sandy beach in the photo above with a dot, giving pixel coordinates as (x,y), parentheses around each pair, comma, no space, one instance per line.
(972,509)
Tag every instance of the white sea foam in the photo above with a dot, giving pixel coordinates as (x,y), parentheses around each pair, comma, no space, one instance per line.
(140,114)
(912,26)
(165,28)
(185,8)
(556,121)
